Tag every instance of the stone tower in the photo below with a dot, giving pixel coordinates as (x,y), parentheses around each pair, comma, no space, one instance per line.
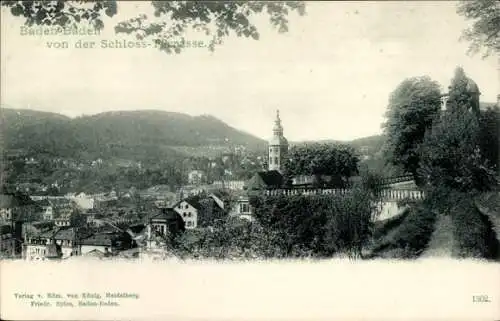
(278,146)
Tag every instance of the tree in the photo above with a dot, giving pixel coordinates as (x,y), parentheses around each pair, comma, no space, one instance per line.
(318,225)
(217,19)
(463,93)
(451,154)
(412,107)
(484,34)
(336,161)
(490,135)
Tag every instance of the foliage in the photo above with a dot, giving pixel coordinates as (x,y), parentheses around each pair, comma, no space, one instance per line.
(451,154)
(484,32)
(473,230)
(463,93)
(337,161)
(372,182)
(319,225)
(210,213)
(489,135)
(216,19)
(413,105)
(233,238)
(415,231)
(117,134)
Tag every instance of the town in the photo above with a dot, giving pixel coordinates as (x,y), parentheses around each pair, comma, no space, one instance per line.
(37,226)
(147,158)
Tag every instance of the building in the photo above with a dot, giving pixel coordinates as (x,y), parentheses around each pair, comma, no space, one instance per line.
(106,243)
(46,209)
(196,177)
(188,209)
(271,179)
(166,221)
(35,245)
(15,207)
(278,146)
(84,201)
(242,208)
(67,217)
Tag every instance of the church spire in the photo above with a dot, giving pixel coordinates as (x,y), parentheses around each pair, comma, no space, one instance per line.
(278,145)
(278,129)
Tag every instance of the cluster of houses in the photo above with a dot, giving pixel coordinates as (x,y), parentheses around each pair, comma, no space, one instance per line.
(54,227)
(77,225)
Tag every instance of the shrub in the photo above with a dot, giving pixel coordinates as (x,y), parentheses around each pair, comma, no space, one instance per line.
(318,225)
(415,231)
(232,239)
(473,231)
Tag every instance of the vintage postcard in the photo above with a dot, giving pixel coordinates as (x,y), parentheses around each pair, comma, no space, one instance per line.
(250,160)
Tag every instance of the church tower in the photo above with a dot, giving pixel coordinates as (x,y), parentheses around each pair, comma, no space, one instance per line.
(278,146)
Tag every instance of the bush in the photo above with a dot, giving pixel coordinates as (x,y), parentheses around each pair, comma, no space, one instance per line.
(319,225)
(232,239)
(415,231)
(473,231)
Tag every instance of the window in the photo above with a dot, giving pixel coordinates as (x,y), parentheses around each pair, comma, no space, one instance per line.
(184,214)
(276,161)
(244,208)
(270,160)
(187,206)
(189,214)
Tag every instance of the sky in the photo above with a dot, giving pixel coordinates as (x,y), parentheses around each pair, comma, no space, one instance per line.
(330,75)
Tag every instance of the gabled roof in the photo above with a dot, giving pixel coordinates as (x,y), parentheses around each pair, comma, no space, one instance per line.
(71,233)
(95,253)
(100,239)
(266,179)
(194,201)
(167,213)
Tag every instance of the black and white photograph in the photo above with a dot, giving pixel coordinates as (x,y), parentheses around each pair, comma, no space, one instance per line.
(250,160)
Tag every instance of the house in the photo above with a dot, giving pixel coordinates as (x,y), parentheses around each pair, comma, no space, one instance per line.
(218,199)
(68,217)
(36,240)
(69,240)
(54,243)
(242,208)
(167,221)
(84,201)
(46,209)
(265,180)
(16,207)
(108,243)
(35,245)
(189,209)
(211,210)
(196,177)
